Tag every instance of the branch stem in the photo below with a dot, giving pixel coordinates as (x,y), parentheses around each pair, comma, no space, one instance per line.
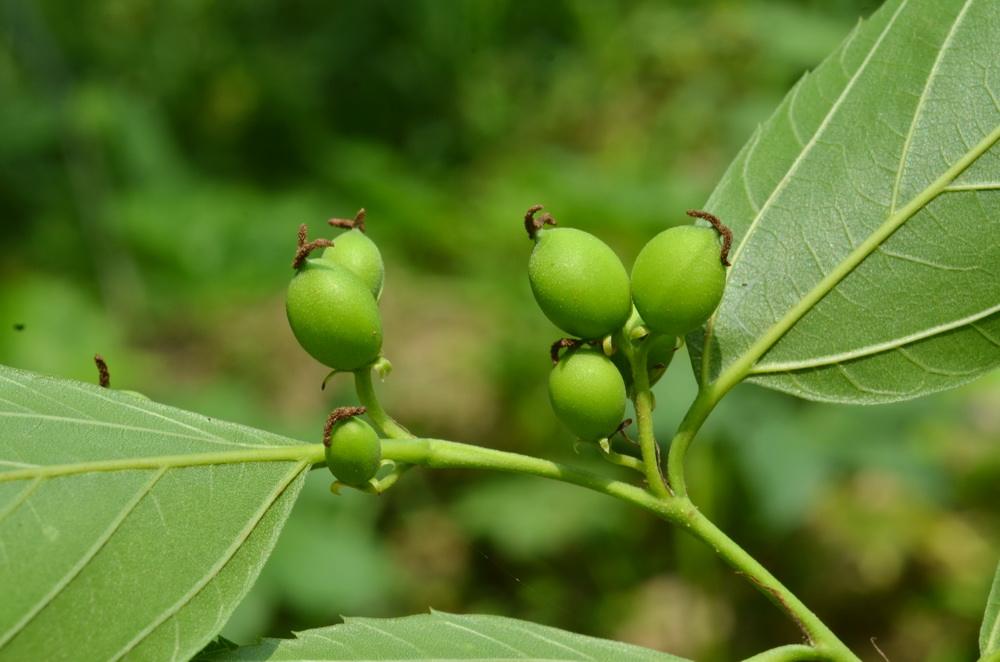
(643,401)
(692,422)
(385,425)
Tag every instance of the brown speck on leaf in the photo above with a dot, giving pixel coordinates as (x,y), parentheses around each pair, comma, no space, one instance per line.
(339,414)
(103,376)
(532,223)
(304,247)
(358,222)
(721,228)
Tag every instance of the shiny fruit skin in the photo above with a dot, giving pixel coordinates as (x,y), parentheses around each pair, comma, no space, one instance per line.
(678,279)
(579,282)
(355,453)
(334,316)
(354,251)
(587,393)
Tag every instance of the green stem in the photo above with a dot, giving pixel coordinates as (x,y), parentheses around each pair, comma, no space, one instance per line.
(824,641)
(693,420)
(990,657)
(643,401)
(790,653)
(384,423)
(442,454)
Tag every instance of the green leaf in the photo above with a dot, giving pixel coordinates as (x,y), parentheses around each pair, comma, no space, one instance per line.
(989,633)
(865,211)
(129,529)
(441,636)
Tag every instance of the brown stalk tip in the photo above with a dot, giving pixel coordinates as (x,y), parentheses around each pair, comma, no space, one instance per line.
(533,224)
(350,223)
(103,376)
(304,247)
(337,415)
(623,426)
(721,228)
(562,343)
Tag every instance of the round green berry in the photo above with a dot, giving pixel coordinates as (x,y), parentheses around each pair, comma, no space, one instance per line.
(354,251)
(354,452)
(334,316)
(678,279)
(579,282)
(587,393)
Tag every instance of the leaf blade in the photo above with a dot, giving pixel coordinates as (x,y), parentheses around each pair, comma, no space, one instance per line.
(101,518)
(842,287)
(989,633)
(442,636)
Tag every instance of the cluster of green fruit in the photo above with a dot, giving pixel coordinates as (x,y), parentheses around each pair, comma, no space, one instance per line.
(332,307)
(583,288)
(616,320)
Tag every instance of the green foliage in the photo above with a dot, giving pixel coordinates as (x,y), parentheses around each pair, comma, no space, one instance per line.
(526,519)
(102,524)
(678,279)
(877,231)
(989,634)
(441,636)
(579,282)
(155,159)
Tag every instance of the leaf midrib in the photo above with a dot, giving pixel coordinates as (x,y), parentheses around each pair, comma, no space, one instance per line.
(744,363)
(740,367)
(310,453)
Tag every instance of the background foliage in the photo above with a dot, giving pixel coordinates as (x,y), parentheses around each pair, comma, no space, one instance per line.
(156,158)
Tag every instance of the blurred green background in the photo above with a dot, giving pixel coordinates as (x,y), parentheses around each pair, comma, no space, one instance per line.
(156,158)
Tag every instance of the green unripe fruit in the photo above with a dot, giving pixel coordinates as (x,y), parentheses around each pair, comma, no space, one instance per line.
(334,316)
(354,251)
(355,453)
(678,279)
(587,393)
(579,282)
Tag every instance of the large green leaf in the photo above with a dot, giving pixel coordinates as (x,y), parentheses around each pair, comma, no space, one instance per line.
(989,633)
(128,529)
(440,636)
(866,213)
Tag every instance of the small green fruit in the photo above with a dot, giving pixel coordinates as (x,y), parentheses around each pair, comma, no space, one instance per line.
(354,251)
(334,316)
(587,393)
(579,282)
(354,453)
(678,279)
